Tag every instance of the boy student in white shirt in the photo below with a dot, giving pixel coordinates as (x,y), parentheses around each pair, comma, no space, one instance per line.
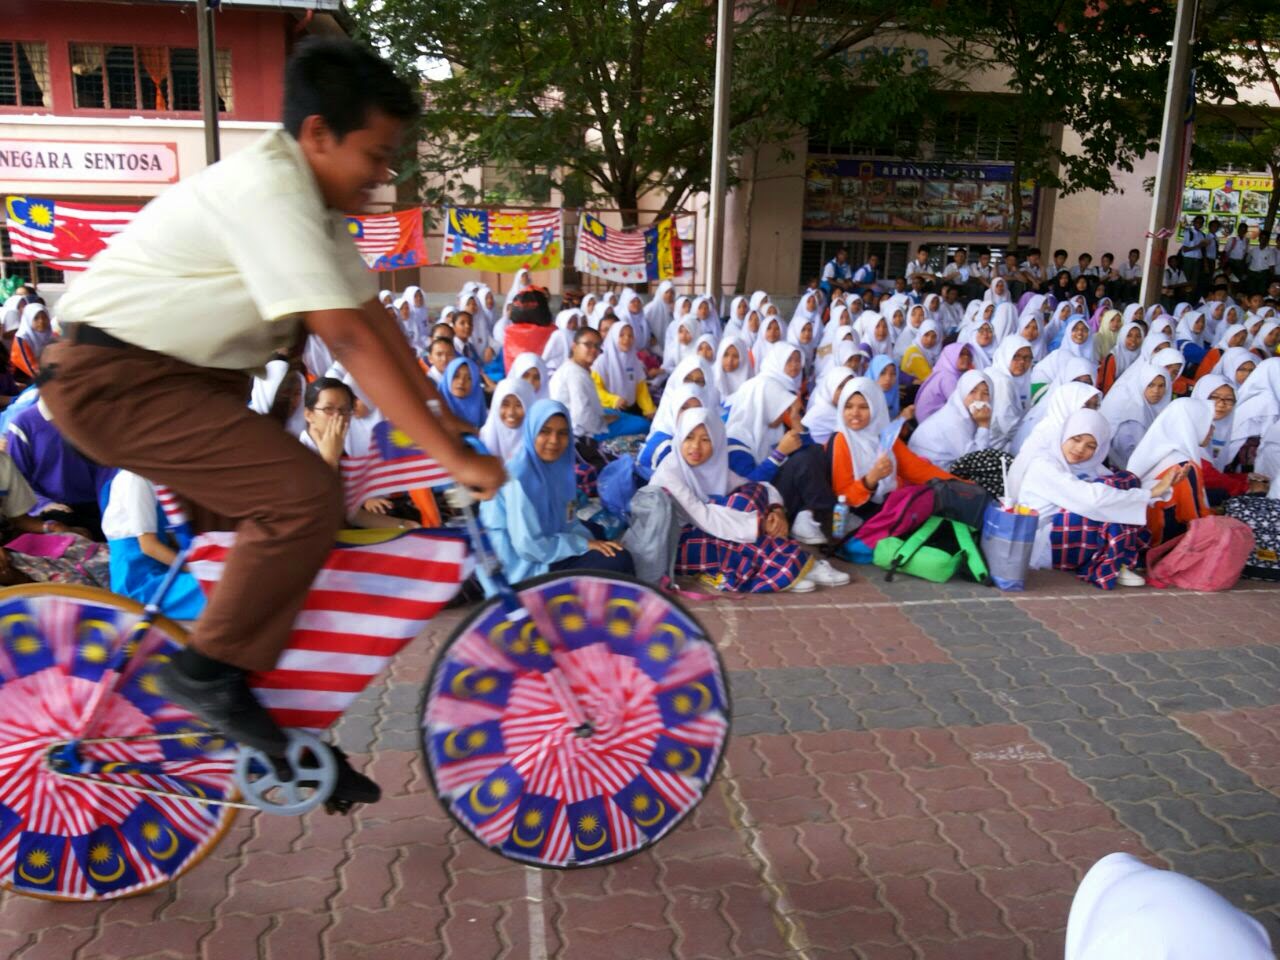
(1191,256)
(1175,285)
(981,272)
(1261,261)
(1031,271)
(1084,267)
(1236,256)
(1131,276)
(919,267)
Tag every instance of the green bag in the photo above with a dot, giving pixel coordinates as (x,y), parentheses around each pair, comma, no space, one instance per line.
(934,552)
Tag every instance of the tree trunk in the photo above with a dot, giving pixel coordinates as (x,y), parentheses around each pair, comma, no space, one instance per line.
(1015,197)
(744,261)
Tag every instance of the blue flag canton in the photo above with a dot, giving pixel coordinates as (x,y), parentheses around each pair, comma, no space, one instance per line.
(519,639)
(467,743)
(154,836)
(97,640)
(681,704)
(647,808)
(23,640)
(143,686)
(102,859)
(622,614)
(531,825)
(675,756)
(33,213)
(486,685)
(568,613)
(10,820)
(589,828)
(490,796)
(355,228)
(394,444)
(39,862)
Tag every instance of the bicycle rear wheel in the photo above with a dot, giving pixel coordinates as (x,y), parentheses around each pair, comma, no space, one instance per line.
(580,729)
(68,839)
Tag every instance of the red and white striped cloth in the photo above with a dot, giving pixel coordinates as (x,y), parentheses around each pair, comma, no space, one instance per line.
(61,234)
(372,475)
(366,604)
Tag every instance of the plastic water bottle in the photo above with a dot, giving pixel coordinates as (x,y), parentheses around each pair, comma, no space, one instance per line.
(840,517)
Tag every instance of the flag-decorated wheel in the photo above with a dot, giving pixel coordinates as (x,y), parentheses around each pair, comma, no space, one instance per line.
(580,728)
(81,835)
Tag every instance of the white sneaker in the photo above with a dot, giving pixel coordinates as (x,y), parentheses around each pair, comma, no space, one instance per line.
(806,529)
(1130,578)
(825,575)
(803,585)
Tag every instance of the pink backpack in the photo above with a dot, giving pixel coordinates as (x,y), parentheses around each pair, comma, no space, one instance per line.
(1210,556)
(901,515)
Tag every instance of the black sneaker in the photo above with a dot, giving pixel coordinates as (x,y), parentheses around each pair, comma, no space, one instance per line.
(227,705)
(352,787)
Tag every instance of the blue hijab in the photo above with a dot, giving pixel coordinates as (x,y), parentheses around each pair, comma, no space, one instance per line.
(891,396)
(549,486)
(471,407)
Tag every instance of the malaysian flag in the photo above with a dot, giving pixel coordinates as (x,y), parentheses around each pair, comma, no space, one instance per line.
(389,241)
(368,601)
(392,465)
(61,234)
(628,256)
(502,240)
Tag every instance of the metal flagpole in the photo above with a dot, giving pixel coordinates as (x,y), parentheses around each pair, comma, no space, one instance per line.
(208,58)
(719,150)
(1168,190)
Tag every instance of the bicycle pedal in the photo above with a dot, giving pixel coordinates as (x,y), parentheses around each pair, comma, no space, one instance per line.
(294,784)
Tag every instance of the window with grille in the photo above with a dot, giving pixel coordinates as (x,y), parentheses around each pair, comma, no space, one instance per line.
(165,79)
(24,269)
(24,74)
(954,136)
(814,255)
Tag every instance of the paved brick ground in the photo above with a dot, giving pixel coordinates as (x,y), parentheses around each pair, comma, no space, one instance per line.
(917,771)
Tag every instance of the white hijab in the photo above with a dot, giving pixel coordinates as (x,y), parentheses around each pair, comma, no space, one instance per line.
(1010,395)
(821,417)
(774,364)
(685,367)
(673,350)
(1043,421)
(864,444)
(1125,358)
(620,370)
(35,340)
(1040,476)
(1126,400)
(658,314)
(760,402)
(559,346)
(1203,390)
(948,433)
(530,361)
(728,383)
(867,322)
(672,403)
(503,441)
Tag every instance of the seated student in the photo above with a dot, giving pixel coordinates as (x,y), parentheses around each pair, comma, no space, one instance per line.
(560,344)
(680,341)
(955,359)
(736,538)
(1257,407)
(1010,379)
(463,324)
(1090,523)
(463,393)
(1220,392)
(1131,406)
(35,332)
(67,483)
(884,371)
(732,367)
(821,419)
(770,332)
(861,470)
(961,427)
(141,548)
(675,400)
(1265,340)
(1234,336)
(530,368)
(529,523)
(1043,421)
(1077,345)
(1189,338)
(766,445)
(511,402)
(1173,447)
(1174,286)
(874,334)
(440,354)
(573,387)
(330,405)
(919,358)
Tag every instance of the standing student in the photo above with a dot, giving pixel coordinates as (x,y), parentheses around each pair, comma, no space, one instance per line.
(1261,261)
(1236,258)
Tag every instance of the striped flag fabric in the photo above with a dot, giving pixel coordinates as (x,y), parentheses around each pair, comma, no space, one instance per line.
(502,240)
(389,241)
(628,256)
(392,465)
(62,234)
(375,593)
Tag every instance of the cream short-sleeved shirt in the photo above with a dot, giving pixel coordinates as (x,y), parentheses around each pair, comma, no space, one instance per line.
(217,269)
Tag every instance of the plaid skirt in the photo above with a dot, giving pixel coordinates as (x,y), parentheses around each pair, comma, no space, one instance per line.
(1094,550)
(769,565)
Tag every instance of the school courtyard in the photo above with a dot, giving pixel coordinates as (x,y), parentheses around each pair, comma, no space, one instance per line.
(917,771)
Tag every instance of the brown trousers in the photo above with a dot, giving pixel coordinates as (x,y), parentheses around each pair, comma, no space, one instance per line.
(190,429)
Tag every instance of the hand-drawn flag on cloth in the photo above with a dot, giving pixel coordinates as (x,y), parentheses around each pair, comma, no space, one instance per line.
(61,234)
(375,593)
(502,240)
(389,241)
(627,256)
(392,465)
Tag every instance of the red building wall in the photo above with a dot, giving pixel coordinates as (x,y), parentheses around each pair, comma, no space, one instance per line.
(259,41)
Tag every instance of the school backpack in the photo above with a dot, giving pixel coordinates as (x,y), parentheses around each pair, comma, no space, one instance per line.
(1262,514)
(935,552)
(960,500)
(901,514)
(1210,556)
(616,484)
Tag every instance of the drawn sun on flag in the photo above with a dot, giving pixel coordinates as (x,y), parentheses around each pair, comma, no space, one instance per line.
(41,215)
(597,228)
(471,225)
(400,439)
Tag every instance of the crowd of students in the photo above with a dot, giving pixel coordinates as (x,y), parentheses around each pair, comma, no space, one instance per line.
(1117,425)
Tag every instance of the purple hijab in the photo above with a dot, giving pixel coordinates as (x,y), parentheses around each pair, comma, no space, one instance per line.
(940,384)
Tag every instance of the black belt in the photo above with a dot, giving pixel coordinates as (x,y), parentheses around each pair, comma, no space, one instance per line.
(93,337)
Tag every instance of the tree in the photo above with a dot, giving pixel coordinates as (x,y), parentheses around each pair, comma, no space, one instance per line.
(1099,69)
(613,99)
(1238,73)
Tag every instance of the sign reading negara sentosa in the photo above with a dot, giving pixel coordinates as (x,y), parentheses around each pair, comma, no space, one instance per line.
(88,161)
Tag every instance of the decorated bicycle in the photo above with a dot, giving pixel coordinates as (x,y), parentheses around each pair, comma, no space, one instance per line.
(568,721)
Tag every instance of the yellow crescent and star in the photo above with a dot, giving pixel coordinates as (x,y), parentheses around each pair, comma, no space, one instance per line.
(588,824)
(572,621)
(25,644)
(100,854)
(498,790)
(37,859)
(152,832)
(527,640)
(684,760)
(683,702)
(624,625)
(473,741)
(640,803)
(462,688)
(532,820)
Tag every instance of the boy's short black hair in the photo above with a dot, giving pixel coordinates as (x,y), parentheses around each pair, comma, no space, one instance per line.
(923,247)
(1135,250)
(1034,250)
(1060,253)
(1109,256)
(342,81)
(437,328)
(445,340)
(1085,256)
